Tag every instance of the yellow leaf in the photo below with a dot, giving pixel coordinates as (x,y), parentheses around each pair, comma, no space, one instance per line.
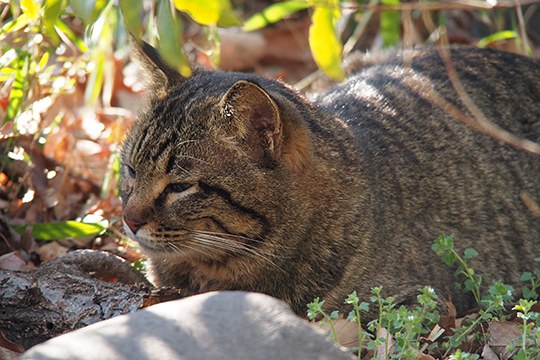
(324,42)
(31,8)
(210,12)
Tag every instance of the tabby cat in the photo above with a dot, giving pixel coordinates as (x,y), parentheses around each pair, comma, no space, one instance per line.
(232,181)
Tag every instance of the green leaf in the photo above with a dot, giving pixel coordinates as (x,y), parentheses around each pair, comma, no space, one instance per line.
(498,36)
(60,26)
(63,230)
(84,9)
(529,294)
(324,42)
(51,15)
(18,88)
(526,276)
(469,254)
(390,24)
(364,306)
(169,27)
(95,80)
(209,12)
(131,12)
(274,13)
(15,25)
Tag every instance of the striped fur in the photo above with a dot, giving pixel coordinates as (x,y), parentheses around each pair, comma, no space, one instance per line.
(234,181)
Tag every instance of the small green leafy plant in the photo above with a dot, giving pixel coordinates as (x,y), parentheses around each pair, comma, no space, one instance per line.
(406,328)
(530,331)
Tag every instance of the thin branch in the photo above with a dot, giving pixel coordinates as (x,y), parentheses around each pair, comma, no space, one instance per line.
(522,29)
(478,121)
(438,6)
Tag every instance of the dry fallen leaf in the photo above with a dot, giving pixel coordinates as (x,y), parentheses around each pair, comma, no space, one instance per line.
(347,332)
(386,349)
(488,354)
(501,334)
(51,250)
(12,261)
(422,356)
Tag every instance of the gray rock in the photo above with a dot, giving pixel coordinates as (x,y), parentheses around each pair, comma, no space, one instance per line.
(218,325)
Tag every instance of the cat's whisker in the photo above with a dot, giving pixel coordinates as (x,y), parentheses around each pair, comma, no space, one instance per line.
(236,247)
(184,170)
(193,158)
(188,141)
(239,237)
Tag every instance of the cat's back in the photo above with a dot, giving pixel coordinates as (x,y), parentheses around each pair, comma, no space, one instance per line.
(505,88)
(428,173)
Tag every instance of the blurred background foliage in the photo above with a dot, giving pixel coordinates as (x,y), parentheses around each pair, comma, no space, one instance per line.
(68,91)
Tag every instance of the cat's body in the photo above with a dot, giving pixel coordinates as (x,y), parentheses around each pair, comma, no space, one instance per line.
(233,181)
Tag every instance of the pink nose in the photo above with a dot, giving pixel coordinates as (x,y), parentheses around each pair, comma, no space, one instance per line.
(134,224)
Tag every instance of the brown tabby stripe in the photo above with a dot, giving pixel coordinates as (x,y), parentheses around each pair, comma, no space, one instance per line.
(224,194)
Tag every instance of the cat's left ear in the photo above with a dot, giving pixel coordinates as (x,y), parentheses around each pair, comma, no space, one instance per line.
(257,119)
(159,74)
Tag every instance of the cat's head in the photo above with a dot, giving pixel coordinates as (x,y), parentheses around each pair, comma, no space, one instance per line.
(206,169)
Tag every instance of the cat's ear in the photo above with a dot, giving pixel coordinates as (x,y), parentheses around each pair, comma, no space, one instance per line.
(158,73)
(257,119)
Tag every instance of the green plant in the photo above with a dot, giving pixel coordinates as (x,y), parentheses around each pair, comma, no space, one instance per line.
(462,355)
(356,317)
(444,247)
(493,305)
(405,328)
(405,324)
(315,310)
(530,331)
(533,283)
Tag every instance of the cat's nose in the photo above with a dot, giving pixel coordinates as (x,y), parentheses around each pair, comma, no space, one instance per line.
(134,224)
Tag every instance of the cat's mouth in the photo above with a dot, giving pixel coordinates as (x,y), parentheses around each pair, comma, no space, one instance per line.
(198,244)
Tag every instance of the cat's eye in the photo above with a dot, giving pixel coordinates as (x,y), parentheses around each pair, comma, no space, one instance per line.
(131,171)
(178,187)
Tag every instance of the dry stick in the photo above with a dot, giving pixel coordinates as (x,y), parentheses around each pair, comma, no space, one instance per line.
(360,28)
(478,121)
(532,205)
(484,126)
(451,5)
(522,29)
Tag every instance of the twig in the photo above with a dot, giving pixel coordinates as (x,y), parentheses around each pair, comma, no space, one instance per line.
(532,205)
(438,6)
(478,121)
(522,29)
(360,28)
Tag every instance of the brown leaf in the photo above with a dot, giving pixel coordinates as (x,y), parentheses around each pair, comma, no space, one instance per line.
(51,251)
(12,261)
(448,320)
(422,356)
(488,354)
(347,332)
(381,350)
(501,334)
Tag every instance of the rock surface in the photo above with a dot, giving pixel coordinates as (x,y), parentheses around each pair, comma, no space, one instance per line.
(218,325)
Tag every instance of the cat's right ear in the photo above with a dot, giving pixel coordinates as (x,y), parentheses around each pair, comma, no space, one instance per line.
(156,71)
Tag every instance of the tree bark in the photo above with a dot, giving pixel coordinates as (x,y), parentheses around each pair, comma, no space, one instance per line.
(73,291)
